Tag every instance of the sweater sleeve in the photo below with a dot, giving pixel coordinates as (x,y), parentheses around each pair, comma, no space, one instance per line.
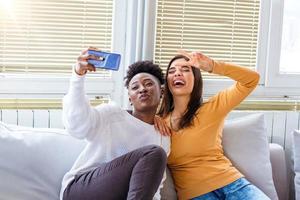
(246,81)
(80,119)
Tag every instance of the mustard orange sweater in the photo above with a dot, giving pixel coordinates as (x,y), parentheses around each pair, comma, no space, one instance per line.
(197,160)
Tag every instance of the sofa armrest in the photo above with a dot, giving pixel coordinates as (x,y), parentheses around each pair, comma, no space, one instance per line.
(279,171)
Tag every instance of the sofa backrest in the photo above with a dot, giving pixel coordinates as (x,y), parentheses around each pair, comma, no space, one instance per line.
(34,161)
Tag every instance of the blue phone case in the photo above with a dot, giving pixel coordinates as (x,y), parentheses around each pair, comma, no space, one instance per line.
(110,60)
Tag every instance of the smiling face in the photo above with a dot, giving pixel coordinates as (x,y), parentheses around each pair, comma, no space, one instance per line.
(180,78)
(144,92)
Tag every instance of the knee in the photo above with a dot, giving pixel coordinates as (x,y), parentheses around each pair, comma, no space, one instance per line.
(158,154)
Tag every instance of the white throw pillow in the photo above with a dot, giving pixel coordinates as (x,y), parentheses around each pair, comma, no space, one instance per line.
(246,144)
(296,152)
(34,161)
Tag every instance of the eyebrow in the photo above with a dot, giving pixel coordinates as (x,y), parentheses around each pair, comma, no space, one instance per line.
(133,82)
(146,79)
(184,66)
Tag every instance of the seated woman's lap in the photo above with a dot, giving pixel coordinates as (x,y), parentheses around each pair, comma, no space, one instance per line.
(122,177)
(237,190)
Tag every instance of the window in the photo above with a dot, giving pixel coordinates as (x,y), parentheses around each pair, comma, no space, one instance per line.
(245,32)
(284,45)
(46,36)
(224,30)
(290,39)
(40,41)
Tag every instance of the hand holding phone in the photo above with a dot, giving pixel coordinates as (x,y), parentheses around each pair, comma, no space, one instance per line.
(106,60)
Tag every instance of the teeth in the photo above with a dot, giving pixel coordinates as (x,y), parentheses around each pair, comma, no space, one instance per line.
(176,82)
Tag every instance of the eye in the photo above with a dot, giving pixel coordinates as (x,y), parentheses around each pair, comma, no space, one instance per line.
(134,87)
(171,71)
(149,84)
(185,69)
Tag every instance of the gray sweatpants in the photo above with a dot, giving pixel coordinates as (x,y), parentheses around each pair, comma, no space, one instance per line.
(135,175)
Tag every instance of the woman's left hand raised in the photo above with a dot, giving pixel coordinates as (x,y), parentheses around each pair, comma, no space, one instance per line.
(199,60)
(161,126)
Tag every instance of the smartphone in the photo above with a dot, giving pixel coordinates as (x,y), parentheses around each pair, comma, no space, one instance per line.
(106,60)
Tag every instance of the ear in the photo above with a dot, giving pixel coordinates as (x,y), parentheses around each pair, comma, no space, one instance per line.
(130,101)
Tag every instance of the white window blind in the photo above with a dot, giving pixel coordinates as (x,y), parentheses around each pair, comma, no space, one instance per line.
(225,30)
(46,36)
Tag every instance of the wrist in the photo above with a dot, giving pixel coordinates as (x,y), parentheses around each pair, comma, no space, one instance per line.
(211,64)
(78,71)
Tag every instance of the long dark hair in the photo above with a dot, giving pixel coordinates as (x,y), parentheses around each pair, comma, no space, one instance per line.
(195,102)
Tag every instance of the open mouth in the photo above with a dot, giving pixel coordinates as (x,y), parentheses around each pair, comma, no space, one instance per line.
(178,83)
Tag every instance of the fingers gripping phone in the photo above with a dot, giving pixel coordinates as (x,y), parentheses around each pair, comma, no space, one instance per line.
(106,60)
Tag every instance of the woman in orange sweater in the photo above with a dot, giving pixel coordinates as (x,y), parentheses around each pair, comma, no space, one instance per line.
(197,161)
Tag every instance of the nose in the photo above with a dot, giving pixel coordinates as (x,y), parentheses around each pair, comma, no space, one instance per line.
(142,89)
(178,73)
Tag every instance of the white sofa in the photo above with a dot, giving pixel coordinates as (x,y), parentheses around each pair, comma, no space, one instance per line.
(33,161)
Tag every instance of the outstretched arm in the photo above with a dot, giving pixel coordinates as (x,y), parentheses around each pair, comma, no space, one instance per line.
(79,118)
(246,81)
(226,100)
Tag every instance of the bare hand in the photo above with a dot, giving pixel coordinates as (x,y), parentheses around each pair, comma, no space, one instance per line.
(197,59)
(82,65)
(161,126)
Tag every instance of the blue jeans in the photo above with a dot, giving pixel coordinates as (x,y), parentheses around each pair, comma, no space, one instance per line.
(240,189)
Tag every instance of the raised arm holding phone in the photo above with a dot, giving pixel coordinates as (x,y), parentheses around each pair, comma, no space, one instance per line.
(125,157)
